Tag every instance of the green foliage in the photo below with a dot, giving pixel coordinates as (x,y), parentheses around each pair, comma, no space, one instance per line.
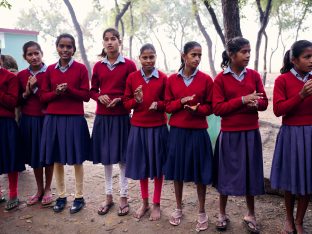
(5,4)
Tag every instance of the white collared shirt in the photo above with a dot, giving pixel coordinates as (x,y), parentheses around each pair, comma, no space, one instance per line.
(120,59)
(303,79)
(241,75)
(64,69)
(153,74)
(187,80)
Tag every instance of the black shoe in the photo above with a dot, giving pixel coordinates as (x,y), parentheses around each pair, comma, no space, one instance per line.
(78,204)
(60,204)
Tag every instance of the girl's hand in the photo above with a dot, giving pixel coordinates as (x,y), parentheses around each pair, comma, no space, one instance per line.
(104,99)
(33,82)
(113,103)
(153,106)
(191,108)
(186,99)
(306,90)
(252,98)
(138,94)
(253,105)
(27,90)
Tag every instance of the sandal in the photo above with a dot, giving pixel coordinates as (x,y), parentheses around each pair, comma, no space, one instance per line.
(11,204)
(202,222)
(103,209)
(32,200)
(2,198)
(251,224)
(121,211)
(175,218)
(47,200)
(222,222)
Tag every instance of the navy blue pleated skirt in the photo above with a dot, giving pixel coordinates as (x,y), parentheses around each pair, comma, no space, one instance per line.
(238,163)
(30,132)
(65,139)
(292,161)
(146,152)
(10,157)
(189,156)
(109,139)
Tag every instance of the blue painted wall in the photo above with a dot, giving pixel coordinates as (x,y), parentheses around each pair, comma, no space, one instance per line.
(13,46)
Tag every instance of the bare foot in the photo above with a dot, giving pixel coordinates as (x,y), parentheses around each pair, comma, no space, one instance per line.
(155,214)
(141,211)
(299,228)
(289,226)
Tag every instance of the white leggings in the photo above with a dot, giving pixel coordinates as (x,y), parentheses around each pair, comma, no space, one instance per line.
(123,181)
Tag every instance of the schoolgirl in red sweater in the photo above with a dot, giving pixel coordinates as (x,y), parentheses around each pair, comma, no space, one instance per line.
(111,125)
(31,120)
(65,134)
(188,96)
(147,143)
(238,95)
(10,159)
(292,160)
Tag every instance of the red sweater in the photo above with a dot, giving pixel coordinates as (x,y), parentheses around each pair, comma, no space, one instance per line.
(111,83)
(227,101)
(70,102)
(8,93)
(32,105)
(153,91)
(288,103)
(176,89)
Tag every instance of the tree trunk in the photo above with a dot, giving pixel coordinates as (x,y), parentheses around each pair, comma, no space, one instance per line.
(274,50)
(80,36)
(207,38)
(301,20)
(132,31)
(215,21)
(265,57)
(231,19)
(120,13)
(264,19)
(162,50)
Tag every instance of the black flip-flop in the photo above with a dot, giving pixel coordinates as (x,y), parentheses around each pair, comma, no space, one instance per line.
(120,211)
(106,208)
(11,204)
(251,226)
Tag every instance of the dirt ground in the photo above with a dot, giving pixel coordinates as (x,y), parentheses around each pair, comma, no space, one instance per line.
(35,219)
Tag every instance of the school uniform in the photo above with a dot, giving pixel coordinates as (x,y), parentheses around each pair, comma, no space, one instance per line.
(10,159)
(65,134)
(189,156)
(238,159)
(32,116)
(147,143)
(292,161)
(111,125)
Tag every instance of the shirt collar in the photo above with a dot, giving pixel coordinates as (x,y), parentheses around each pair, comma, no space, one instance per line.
(153,74)
(42,69)
(180,73)
(58,65)
(296,74)
(239,77)
(120,59)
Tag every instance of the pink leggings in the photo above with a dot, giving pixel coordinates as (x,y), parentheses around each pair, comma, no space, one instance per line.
(13,178)
(157,189)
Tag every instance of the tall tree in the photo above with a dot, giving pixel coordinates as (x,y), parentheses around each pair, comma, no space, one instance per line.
(264,19)
(207,38)
(231,19)
(83,53)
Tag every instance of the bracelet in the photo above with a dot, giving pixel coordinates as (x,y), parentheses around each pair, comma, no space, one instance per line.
(243,100)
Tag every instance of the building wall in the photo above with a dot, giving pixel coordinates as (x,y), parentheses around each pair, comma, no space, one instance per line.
(13,45)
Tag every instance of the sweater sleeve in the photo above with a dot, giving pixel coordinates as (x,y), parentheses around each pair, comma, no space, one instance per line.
(281,104)
(128,100)
(161,104)
(47,93)
(95,84)
(263,102)
(205,108)
(172,104)
(9,98)
(221,106)
(82,93)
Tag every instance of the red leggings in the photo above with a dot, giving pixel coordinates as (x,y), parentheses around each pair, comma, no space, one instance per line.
(13,178)
(157,189)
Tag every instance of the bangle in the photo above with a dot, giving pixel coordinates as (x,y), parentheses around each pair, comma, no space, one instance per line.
(243,100)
